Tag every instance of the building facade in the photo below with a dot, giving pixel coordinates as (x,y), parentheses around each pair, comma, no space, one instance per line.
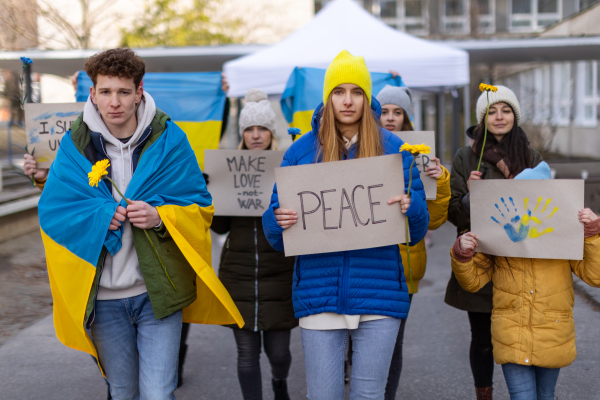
(560,102)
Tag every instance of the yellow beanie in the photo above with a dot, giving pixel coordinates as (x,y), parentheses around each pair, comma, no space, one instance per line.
(346,68)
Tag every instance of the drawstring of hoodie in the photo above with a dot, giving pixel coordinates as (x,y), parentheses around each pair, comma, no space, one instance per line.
(123,163)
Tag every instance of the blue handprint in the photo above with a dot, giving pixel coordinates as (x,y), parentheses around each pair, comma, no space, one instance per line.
(515,229)
(518,227)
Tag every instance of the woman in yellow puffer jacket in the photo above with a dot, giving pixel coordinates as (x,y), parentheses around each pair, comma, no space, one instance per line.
(396,107)
(533,331)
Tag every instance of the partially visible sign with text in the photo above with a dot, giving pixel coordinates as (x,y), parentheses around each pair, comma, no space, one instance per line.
(423,160)
(241,181)
(46,125)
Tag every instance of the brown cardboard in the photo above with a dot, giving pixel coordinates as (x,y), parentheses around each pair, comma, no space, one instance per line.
(241,181)
(344,184)
(423,160)
(46,125)
(565,241)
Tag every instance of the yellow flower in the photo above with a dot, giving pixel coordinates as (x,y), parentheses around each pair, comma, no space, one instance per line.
(483,87)
(98,171)
(416,148)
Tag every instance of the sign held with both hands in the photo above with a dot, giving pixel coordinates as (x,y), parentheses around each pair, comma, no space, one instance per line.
(528,218)
(423,160)
(46,125)
(342,205)
(241,181)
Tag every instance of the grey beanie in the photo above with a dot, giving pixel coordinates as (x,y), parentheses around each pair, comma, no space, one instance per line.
(257,112)
(400,96)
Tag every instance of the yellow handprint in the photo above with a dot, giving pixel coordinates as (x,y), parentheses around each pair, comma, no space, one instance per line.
(529,217)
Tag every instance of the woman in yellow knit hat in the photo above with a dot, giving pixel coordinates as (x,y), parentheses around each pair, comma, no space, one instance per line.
(396,109)
(362,293)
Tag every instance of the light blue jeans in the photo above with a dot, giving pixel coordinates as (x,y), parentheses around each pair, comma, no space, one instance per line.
(526,382)
(324,352)
(138,352)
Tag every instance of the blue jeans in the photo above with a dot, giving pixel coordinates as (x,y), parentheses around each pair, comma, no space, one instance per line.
(138,352)
(526,382)
(324,352)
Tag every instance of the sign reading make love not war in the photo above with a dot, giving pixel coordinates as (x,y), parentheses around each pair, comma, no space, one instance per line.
(528,218)
(241,181)
(342,205)
(423,160)
(46,125)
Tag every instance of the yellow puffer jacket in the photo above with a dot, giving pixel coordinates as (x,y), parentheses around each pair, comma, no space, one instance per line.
(532,319)
(438,214)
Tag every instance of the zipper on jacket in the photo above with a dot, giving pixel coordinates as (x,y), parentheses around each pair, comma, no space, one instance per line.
(93,313)
(255,277)
(345,273)
(298,270)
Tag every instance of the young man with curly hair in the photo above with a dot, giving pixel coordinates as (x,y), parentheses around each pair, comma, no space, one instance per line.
(134,309)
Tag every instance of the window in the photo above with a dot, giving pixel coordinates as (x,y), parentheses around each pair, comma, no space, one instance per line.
(487,22)
(561,94)
(534,15)
(406,15)
(586,113)
(455,16)
(526,97)
(541,95)
(388,9)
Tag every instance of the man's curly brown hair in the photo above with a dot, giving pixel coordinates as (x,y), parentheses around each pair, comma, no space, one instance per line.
(122,63)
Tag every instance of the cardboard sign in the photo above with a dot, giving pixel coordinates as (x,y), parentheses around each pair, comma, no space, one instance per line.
(423,160)
(241,181)
(46,125)
(342,205)
(528,218)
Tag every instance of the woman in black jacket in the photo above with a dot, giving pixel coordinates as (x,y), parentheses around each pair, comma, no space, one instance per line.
(258,278)
(506,154)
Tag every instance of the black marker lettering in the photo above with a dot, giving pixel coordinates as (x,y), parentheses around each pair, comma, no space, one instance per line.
(374,204)
(44,128)
(354,205)
(349,207)
(302,206)
(234,162)
(325,209)
(261,161)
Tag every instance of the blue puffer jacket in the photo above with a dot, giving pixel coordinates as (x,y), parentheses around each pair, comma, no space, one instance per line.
(357,282)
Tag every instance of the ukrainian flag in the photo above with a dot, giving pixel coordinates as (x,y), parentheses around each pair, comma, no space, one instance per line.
(304,92)
(194,100)
(74,219)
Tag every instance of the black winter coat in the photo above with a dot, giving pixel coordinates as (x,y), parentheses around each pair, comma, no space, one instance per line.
(258,278)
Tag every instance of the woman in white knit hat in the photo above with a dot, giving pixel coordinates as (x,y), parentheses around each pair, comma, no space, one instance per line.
(505,155)
(396,109)
(258,278)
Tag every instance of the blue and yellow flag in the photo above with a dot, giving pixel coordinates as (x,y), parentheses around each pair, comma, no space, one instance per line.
(194,100)
(74,219)
(304,92)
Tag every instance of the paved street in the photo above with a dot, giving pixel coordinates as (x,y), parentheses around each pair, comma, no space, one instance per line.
(34,365)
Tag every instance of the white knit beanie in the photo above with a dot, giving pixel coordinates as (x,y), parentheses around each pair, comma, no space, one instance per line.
(257,112)
(502,95)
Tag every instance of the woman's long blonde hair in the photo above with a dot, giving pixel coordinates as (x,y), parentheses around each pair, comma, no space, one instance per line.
(331,138)
(273,146)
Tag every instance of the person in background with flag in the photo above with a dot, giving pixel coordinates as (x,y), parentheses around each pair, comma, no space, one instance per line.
(124,268)
(330,308)
(258,277)
(396,109)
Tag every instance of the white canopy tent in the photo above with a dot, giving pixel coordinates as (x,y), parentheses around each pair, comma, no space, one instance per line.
(343,24)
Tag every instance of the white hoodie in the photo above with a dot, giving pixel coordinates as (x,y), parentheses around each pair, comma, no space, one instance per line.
(121,276)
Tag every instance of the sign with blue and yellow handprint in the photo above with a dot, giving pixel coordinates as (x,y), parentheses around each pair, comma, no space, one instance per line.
(528,218)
